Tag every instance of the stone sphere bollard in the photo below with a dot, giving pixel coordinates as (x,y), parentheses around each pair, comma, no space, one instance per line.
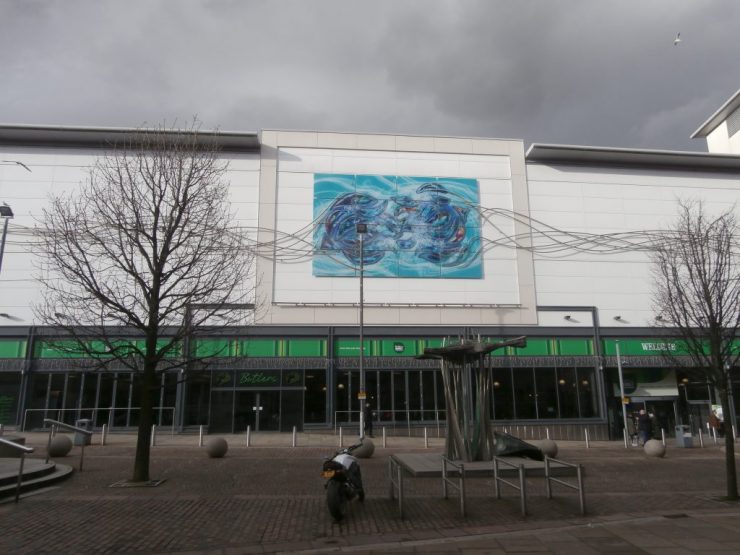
(216,447)
(60,446)
(366,450)
(654,448)
(549,448)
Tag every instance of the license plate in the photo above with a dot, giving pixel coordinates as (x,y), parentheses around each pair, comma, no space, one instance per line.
(328,473)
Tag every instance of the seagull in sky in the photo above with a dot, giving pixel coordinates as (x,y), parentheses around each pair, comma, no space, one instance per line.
(677,39)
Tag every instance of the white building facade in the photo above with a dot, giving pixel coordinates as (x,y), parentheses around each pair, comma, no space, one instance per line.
(465,237)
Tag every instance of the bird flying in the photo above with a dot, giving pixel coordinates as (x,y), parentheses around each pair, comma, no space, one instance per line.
(677,39)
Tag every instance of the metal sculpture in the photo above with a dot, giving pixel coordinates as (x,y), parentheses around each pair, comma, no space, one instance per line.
(466,376)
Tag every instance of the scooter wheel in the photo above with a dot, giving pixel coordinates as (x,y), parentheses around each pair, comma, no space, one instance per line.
(336,500)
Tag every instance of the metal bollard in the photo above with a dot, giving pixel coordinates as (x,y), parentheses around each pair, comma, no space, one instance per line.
(341,440)
(384,444)
(701,438)
(662,436)
(200,436)
(547,433)
(103,435)
(293,436)
(426,439)
(154,435)
(585,433)
(249,435)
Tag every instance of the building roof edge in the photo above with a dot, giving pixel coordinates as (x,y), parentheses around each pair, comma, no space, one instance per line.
(718,117)
(630,157)
(105,137)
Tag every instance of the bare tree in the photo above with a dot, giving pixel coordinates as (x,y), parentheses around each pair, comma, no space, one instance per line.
(697,295)
(141,255)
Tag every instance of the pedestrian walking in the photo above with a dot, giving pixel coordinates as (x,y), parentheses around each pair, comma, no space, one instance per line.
(368,420)
(632,430)
(715,424)
(644,427)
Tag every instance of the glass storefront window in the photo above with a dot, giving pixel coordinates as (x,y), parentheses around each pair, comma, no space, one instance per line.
(167,398)
(197,394)
(546,393)
(397,396)
(122,387)
(568,392)
(72,398)
(37,401)
(105,399)
(503,400)
(341,407)
(588,402)
(524,393)
(414,406)
(354,403)
(56,396)
(385,404)
(315,401)
(89,392)
(9,390)
(400,407)
(439,390)
(428,397)
(222,412)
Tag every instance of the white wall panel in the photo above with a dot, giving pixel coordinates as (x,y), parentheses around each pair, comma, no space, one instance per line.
(295,209)
(599,201)
(61,170)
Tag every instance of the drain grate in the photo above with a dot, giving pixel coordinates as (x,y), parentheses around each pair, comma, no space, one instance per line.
(128,484)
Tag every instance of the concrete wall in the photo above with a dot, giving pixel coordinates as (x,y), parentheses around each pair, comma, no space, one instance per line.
(604,201)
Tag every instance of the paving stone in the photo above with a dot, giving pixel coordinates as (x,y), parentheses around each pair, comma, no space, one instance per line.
(271,498)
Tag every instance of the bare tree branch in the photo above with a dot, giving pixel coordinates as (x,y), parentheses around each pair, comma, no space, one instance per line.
(146,245)
(696,275)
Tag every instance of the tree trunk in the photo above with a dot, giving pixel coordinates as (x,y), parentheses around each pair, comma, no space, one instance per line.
(143,438)
(730,470)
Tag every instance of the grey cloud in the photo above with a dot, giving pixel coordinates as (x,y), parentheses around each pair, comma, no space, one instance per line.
(572,71)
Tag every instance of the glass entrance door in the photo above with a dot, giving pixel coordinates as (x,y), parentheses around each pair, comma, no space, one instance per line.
(260,410)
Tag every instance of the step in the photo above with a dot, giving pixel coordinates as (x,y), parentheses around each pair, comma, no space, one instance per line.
(32,469)
(36,474)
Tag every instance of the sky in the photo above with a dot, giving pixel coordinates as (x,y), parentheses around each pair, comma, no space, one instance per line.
(581,72)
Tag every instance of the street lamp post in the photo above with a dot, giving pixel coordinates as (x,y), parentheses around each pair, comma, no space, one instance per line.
(361,396)
(6,214)
(621,392)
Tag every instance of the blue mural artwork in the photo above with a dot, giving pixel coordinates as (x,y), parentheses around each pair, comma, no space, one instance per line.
(417,227)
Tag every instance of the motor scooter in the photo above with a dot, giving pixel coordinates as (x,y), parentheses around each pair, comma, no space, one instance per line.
(343,481)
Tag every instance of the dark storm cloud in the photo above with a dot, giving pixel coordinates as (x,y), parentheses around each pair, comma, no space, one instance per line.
(567,71)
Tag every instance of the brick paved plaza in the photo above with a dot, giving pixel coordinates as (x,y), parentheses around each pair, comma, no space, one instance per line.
(269,497)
